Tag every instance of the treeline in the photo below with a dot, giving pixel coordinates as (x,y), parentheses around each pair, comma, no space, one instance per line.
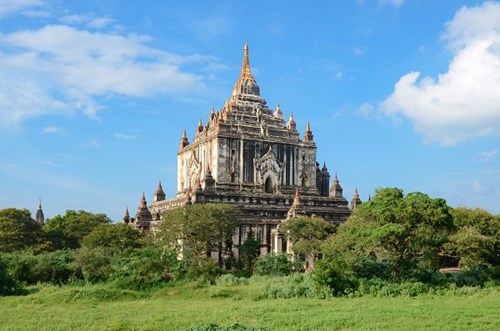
(391,239)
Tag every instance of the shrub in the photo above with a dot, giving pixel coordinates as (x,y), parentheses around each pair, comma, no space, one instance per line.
(55,267)
(274,264)
(230,280)
(334,274)
(8,285)
(95,264)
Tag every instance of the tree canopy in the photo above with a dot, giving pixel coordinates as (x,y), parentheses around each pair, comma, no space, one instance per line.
(18,230)
(197,229)
(307,235)
(477,239)
(117,236)
(406,232)
(68,230)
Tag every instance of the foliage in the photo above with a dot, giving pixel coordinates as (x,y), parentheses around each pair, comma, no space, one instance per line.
(144,269)
(249,251)
(48,267)
(95,263)
(295,286)
(307,235)
(275,265)
(334,274)
(8,285)
(477,240)
(197,229)
(67,231)
(18,231)
(407,232)
(116,236)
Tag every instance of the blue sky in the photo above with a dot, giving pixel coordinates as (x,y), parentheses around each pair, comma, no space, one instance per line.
(94,95)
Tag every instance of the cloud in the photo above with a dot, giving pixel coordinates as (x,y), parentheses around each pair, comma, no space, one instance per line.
(8,7)
(123,136)
(487,156)
(87,20)
(61,69)
(464,102)
(395,3)
(91,144)
(52,130)
(365,110)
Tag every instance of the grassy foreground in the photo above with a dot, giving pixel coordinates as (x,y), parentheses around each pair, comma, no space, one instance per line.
(101,307)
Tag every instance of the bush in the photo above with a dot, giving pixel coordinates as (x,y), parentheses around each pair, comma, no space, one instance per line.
(50,267)
(206,268)
(141,270)
(8,285)
(230,280)
(55,267)
(274,265)
(334,274)
(95,264)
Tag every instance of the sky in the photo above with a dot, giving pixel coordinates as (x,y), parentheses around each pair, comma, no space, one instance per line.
(94,95)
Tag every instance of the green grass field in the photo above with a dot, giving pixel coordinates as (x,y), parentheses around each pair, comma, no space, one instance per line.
(101,307)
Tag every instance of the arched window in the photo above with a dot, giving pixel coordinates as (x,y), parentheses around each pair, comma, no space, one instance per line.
(269,187)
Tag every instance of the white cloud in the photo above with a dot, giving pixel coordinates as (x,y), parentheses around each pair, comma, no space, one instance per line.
(463,102)
(365,110)
(123,136)
(8,7)
(87,20)
(59,68)
(52,130)
(487,156)
(395,3)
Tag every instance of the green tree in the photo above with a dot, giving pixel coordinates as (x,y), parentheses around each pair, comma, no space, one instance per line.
(67,231)
(307,235)
(117,236)
(18,230)
(407,232)
(477,239)
(8,285)
(197,229)
(249,251)
(274,265)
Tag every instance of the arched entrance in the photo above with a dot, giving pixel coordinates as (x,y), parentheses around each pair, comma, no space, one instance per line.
(269,185)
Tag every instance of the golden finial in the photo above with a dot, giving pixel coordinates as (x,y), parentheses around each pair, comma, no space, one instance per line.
(245,68)
(308,127)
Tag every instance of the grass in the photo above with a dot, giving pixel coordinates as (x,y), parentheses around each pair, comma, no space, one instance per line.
(101,307)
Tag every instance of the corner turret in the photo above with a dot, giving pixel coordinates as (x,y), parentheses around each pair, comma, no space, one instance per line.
(159,194)
(184,140)
(356,201)
(308,136)
(336,190)
(291,125)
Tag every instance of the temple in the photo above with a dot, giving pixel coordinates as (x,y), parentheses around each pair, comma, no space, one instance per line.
(248,155)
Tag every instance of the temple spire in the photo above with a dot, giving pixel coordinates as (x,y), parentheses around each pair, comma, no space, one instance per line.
(40,218)
(308,135)
(184,140)
(159,194)
(291,125)
(278,113)
(356,201)
(245,68)
(126,217)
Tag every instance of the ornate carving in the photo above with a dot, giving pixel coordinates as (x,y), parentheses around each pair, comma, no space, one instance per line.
(194,170)
(267,166)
